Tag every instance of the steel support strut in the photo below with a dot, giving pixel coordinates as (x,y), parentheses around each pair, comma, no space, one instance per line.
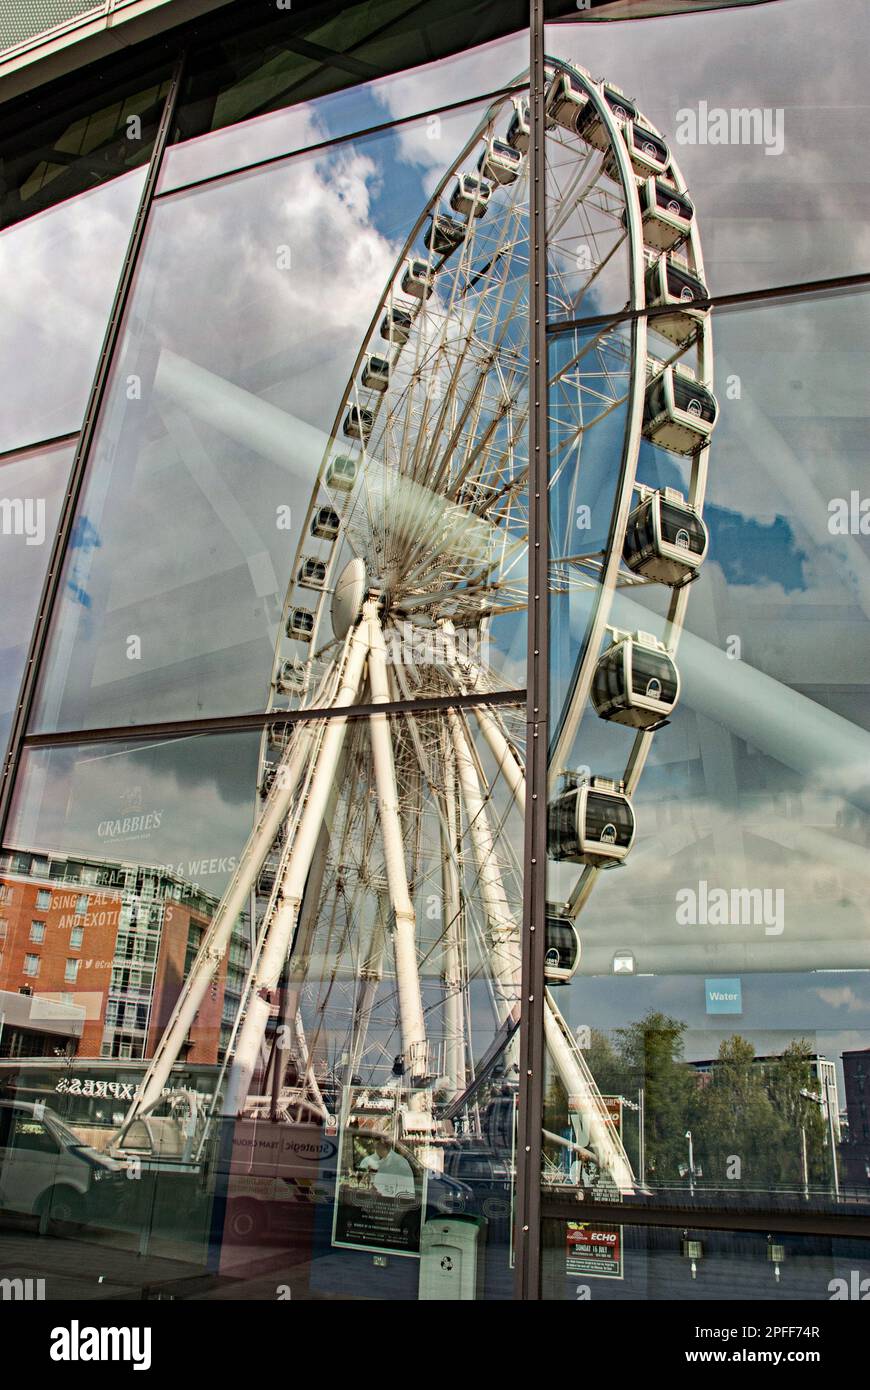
(531,1088)
(413,1027)
(280,931)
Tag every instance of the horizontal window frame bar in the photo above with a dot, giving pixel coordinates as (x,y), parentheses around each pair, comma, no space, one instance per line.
(803,289)
(54,441)
(246,723)
(761,1219)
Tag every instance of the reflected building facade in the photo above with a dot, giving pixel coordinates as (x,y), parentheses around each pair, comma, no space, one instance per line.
(431,479)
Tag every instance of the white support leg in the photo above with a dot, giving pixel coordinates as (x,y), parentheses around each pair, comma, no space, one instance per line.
(468,680)
(405,935)
(583,1093)
(232,904)
(279,935)
(454,1013)
(502,928)
(370,976)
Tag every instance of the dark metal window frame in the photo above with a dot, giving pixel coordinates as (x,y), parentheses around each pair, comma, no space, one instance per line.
(532,1207)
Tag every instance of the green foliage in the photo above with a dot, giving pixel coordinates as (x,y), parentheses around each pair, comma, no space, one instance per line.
(742,1109)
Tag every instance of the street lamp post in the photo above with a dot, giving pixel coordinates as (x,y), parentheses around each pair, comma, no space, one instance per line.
(691,1163)
(826,1103)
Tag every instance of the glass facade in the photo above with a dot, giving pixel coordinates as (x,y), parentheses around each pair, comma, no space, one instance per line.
(433,479)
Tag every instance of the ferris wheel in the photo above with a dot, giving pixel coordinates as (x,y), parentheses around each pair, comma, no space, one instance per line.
(385,859)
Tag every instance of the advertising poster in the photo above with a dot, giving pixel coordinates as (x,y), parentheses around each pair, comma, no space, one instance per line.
(380,1192)
(585,1170)
(593,1249)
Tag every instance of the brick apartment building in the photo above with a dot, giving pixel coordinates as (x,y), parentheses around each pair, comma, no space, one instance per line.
(113,941)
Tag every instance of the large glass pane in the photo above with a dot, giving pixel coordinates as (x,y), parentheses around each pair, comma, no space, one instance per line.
(79,135)
(330,70)
(349,1099)
(720,1002)
(598,1262)
(314,119)
(767,150)
(31,489)
(313,398)
(56,296)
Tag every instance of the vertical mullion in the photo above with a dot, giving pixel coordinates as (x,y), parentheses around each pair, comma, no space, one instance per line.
(51,584)
(531,1082)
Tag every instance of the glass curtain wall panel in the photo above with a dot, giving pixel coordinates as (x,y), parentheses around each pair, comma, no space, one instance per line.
(303,116)
(764,152)
(59,270)
(31,490)
(719,757)
(320,393)
(341,982)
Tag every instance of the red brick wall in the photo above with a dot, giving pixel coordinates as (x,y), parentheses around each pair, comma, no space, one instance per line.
(95,953)
(205,1030)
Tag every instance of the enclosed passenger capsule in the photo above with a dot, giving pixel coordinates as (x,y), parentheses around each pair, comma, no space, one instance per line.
(470,195)
(665,538)
(300,624)
(291,678)
(666,215)
(444,234)
(679,413)
(647,151)
(396,326)
(590,823)
(500,162)
(670,283)
(592,128)
(358,423)
(562,955)
(635,682)
(341,473)
(376,373)
(417,279)
(519,132)
(325,523)
(312,573)
(565,101)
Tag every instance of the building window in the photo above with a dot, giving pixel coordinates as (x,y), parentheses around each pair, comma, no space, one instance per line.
(37,931)
(71,970)
(82,904)
(3,927)
(31,965)
(43,898)
(75,938)
(5,893)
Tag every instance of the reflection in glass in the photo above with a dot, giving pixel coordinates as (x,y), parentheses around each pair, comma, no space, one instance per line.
(304,111)
(368,1048)
(31,485)
(349,64)
(767,150)
(604,1260)
(79,136)
(730,1006)
(57,292)
(350,416)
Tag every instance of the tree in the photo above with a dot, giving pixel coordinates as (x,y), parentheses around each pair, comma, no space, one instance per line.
(651,1052)
(738,1133)
(786,1078)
